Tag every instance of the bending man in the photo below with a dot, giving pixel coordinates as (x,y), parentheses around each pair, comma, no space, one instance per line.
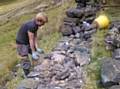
(26,41)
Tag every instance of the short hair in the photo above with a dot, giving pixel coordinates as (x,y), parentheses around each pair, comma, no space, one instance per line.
(42,16)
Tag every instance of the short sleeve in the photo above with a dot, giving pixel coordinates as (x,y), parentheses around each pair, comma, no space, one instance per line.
(31,29)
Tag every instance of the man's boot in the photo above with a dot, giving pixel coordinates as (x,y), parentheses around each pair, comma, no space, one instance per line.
(26,65)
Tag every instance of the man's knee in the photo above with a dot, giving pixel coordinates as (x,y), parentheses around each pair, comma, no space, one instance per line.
(22,50)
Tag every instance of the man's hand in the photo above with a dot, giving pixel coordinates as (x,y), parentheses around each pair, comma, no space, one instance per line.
(39,50)
(35,55)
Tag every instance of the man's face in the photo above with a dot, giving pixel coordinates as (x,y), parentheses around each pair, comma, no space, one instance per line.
(40,22)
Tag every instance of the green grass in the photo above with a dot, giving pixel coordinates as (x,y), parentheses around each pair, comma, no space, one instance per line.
(7,5)
(6,1)
(48,37)
(114,13)
(97,53)
(8,57)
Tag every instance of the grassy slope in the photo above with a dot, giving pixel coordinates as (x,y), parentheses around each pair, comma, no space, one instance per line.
(49,37)
(7,5)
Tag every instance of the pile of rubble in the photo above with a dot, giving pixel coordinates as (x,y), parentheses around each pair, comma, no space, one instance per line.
(63,68)
(111,66)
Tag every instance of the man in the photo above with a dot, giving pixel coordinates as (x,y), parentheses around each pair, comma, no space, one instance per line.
(26,41)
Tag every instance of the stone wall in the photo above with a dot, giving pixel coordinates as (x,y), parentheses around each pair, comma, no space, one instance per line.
(63,68)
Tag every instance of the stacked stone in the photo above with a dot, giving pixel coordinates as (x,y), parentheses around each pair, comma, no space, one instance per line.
(78,21)
(112,39)
(111,66)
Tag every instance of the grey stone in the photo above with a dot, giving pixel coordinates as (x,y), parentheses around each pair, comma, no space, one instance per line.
(75,13)
(33,74)
(63,46)
(81,58)
(62,75)
(28,84)
(117,40)
(116,54)
(58,57)
(76,29)
(82,50)
(69,24)
(90,19)
(71,20)
(110,72)
(90,11)
(66,30)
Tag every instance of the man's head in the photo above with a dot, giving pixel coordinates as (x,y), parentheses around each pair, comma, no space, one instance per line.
(41,19)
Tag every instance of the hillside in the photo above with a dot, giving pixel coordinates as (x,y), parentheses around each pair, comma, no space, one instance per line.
(15,12)
(11,20)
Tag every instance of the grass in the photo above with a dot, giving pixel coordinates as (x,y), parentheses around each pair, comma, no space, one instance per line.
(6,1)
(48,37)
(8,56)
(98,51)
(7,5)
(93,69)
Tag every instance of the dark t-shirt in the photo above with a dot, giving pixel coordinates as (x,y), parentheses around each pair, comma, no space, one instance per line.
(22,35)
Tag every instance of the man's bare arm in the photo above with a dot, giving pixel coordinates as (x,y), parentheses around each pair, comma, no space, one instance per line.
(32,41)
(36,41)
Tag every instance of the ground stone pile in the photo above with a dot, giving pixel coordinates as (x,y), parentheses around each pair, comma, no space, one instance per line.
(63,68)
(110,72)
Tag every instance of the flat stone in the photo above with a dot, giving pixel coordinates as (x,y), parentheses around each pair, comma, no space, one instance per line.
(75,13)
(28,84)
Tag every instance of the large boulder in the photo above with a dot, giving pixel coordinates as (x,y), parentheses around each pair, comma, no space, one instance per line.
(110,72)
